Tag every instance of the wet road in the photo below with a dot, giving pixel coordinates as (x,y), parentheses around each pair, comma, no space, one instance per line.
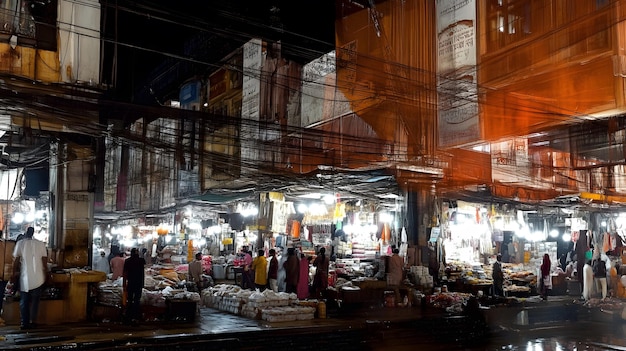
(560,327)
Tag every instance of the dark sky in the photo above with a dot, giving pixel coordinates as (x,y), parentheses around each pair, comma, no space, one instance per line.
(153,34)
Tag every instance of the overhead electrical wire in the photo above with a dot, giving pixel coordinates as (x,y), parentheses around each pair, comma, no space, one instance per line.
(345,139)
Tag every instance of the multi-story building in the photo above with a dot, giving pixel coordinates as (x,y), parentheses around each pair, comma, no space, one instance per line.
(51,87)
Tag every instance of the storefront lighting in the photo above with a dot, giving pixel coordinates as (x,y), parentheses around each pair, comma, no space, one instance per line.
(537,236)
(348,229)
(30,217)
(18,218)
(620,221)
(554,233)
(168,238)
(523,232)
(215,229)
(603,224)
(498,223)
(385,217)
(317,209)
(329,199)
(250,211)
(195,226)
(128,243)
(302,208)
(567,237)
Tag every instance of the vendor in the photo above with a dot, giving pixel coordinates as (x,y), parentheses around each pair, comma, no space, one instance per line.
(195,271)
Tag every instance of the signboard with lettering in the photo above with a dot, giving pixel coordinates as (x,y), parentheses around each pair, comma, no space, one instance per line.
(457,89)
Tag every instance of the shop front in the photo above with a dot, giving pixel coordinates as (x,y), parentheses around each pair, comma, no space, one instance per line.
(474,234)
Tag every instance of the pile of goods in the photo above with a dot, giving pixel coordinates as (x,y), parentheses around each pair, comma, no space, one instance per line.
(160,284)
(450,301)
(266,305)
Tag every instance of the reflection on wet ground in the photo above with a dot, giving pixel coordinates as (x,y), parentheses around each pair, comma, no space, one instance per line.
(561,325)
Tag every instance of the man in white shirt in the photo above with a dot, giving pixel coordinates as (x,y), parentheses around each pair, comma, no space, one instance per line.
(102,264)
(30,268)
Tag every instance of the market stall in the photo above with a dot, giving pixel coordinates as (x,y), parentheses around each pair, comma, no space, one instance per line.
(65,298)
(167,295)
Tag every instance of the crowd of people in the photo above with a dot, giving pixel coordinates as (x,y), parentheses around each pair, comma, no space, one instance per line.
(282,272)
(598,277)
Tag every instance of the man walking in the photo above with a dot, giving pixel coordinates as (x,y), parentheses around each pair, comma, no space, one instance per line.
(30,269)
(133,285)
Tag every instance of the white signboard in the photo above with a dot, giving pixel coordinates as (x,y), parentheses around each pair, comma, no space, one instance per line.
(458,119)
(251,98)
(320,98)
(252,61)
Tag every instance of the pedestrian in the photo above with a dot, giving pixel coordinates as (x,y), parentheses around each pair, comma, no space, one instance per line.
(272,273)
(195,271)
(114,252)
(282,275)
(133,274)
(303,277)
(154,252)
(145,254)
(30,269)
(259,266)
(498,276)
(396,272)
(545,282)
(247,276)
(102,264)
(292,271)
(117,265)
(320,279)
(599,276)
(587,280)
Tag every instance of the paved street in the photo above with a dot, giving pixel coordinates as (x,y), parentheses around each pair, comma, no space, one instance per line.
(548,325)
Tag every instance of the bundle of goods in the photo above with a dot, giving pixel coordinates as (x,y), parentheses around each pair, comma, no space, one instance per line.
(258,302)
(523,278)
(225,297)
(287,314)
(207,263)
(446,300)
(517,290)
(180,294)
(152,298)
(252,304)
(109,293)
(419,276)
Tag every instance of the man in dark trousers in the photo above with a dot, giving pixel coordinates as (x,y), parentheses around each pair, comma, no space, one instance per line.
(133,286)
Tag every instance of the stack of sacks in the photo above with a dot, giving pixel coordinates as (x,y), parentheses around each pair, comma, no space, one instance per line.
(288,313)
(225,297)
(109,293)
(258,301)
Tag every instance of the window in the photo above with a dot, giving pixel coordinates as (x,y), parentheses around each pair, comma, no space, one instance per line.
(509,21)
(32,21)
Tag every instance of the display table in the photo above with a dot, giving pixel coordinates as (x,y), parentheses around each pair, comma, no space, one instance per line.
(71,307)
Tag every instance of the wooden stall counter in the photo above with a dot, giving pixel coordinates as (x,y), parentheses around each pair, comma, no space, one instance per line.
(75,283)
(70,307)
